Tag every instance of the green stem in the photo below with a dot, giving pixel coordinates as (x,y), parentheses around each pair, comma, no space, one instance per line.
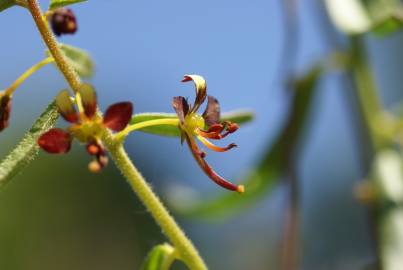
(65,67)
(370,108)
(187,252)
(366,90)
(11,89)
(156,122)
(178,238)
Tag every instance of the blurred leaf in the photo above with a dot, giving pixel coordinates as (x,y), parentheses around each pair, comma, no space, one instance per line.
(389,175)
(349,16)
(159,258)
(79,59)
(388,25)
(388,168)
(239,117)
(5,4)
(27,148)
(61,3)
(381,17)
(261,179)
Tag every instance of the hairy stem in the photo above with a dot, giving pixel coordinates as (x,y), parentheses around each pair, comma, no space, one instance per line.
(183,245)
(71,76)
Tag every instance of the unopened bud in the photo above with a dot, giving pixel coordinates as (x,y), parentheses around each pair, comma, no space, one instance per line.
(63,21)
(5,109)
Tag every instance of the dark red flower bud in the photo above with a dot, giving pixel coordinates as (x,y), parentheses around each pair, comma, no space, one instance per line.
(55,141)
(5,108)
(93,148)
(63,21)
(118,115)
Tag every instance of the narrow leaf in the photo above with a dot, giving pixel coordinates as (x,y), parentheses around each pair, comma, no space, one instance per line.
(61,3)
(239,117)
(159,258)
(79,59)
(262,179)
(27,149)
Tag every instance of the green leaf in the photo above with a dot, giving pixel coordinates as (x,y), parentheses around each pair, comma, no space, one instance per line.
(5,4)
(79,59)
(388,25)
(27,149)
(159,258)
(61,3)
(271,167)
(239,117)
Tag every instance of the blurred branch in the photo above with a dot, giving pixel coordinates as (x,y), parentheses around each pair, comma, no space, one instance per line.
(364,104)
(289,256)
(290,247)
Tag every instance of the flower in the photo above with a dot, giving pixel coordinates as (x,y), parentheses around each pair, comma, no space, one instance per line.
(63,21)
(86,126)
(5,109)
(193,125)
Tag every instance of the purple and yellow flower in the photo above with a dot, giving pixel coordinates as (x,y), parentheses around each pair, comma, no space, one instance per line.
(86,125)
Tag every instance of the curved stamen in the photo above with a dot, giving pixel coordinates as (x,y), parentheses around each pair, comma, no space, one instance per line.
(214,147)
(211,135)
(208,170)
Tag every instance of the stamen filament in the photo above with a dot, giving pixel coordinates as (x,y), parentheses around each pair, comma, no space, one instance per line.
(79,105)
(156,122)
(11,89)
(214,147)
(210,135)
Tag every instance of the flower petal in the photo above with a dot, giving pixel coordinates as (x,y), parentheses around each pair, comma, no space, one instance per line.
(118,115)
(181,108)
(55,141)
(201,89)
(212,113)
(88,99)
(199,157)
(5,109)
(65,107)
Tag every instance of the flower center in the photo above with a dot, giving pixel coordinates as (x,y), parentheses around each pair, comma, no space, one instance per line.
(193,121)
(87,131)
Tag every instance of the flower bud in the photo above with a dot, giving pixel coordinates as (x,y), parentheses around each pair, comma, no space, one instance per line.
(5,108)
(63,21)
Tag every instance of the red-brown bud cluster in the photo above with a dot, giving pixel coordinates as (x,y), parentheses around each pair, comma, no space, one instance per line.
(63,21)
